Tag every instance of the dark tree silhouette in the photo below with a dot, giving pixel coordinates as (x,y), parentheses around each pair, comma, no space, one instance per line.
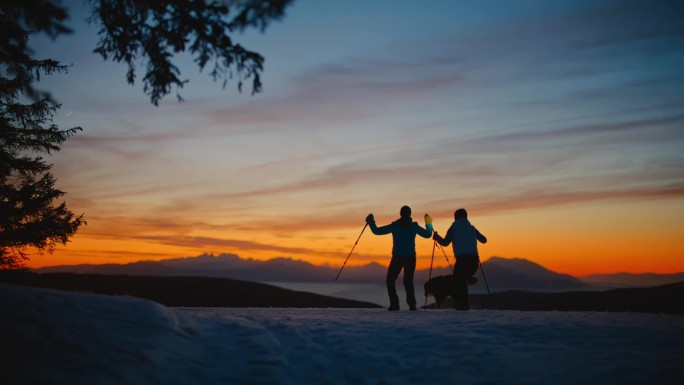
(29,216)
(146,31)
(152,31)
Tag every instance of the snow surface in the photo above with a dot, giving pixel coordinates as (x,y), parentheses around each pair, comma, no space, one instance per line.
(52,337)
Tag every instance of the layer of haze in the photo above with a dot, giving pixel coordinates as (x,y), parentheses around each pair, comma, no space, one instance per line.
(558,125)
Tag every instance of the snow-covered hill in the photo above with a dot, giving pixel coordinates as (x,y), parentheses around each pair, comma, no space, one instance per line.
(52,337)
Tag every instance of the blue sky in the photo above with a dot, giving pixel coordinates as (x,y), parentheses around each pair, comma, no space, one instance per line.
(537,116)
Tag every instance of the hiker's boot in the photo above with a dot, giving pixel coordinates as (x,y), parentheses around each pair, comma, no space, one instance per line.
(393,308)
(412,307)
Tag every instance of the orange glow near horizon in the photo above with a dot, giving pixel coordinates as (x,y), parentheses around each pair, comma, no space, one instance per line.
(572,240)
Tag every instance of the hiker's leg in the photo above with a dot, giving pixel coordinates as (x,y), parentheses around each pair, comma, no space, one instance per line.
(471,265)
(392,273)
(409,271)
(467,266)
(459,291)
(465,297)
(459,288)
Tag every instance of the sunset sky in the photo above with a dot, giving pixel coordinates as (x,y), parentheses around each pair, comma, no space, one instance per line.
(558,125)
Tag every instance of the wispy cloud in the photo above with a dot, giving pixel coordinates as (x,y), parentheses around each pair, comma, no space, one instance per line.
(329,95)
(221,243)
(540,198)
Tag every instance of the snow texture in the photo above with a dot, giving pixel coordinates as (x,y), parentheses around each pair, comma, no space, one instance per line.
(52,337)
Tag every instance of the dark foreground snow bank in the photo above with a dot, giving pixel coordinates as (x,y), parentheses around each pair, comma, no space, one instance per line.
(52,337)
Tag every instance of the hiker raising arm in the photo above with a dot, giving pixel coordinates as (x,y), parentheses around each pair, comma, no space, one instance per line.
(404,231)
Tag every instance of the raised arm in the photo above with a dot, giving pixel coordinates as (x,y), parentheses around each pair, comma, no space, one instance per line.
(427,231)
(370,219)
(424,232)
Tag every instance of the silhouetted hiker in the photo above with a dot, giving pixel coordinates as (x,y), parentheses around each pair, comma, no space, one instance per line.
(463,236)
(404,232)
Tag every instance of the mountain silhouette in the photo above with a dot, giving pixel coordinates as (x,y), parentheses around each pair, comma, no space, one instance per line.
(521,274)
(501,273)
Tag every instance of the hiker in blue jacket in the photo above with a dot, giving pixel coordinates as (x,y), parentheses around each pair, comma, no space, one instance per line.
(464,237)
(404,231)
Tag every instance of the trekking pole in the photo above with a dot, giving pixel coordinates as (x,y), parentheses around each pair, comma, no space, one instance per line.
(350,252)
(430,274)
(491,302)
(445,257)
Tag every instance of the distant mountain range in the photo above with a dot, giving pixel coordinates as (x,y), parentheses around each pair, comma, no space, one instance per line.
(501,274)
(520,274)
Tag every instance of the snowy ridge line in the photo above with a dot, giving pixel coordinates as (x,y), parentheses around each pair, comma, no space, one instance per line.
(53,337)
(193,292)
(182,291)
(665,299)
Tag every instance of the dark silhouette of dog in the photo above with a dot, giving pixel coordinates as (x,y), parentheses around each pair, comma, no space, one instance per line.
(441,287)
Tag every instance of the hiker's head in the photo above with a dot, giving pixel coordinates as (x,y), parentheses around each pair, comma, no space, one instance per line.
(460,214)
(405,212)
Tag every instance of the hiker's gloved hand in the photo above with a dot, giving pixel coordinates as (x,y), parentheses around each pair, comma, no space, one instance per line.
(435,236)
(370,218)
(428,219)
